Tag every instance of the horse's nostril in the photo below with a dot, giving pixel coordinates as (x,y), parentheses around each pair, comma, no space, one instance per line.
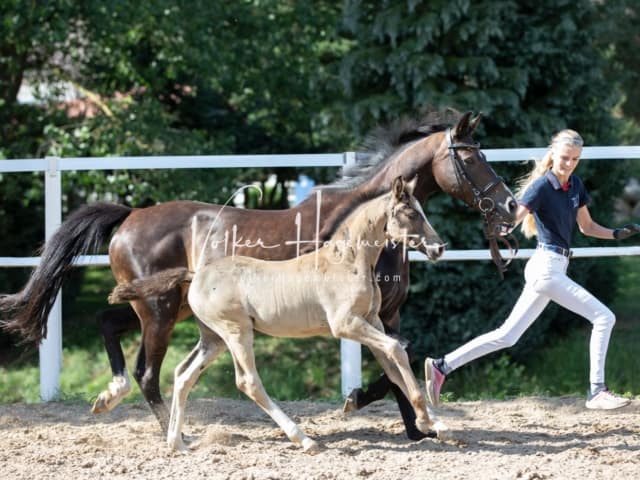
(513,205)
(435,251)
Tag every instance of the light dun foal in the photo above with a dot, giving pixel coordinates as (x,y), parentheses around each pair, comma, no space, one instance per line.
(331,291)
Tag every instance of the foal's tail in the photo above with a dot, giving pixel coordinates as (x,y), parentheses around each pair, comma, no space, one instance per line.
(152,286)
(82,232)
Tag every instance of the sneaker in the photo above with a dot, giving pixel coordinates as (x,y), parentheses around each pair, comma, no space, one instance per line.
(606,400)
(434,378)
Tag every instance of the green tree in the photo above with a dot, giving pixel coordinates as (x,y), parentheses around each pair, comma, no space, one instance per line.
(533,68)
(158,78)
(620,44)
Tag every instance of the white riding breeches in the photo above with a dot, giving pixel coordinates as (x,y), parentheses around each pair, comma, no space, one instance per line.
(545,280)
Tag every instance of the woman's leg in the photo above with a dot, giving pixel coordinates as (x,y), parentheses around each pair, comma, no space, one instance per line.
(576,298)
(526,310)
(572,296)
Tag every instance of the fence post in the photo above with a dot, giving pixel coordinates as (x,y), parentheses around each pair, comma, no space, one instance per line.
(350,351)
(51,347)
(350,365)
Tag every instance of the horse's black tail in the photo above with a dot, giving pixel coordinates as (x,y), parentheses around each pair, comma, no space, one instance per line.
(26,312)
(152,286)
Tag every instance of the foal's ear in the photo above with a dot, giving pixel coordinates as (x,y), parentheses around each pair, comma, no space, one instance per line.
(410,186)
(397,188)
(462,128)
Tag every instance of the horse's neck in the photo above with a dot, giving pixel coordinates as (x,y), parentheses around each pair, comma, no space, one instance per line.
(361,236)
(415,159)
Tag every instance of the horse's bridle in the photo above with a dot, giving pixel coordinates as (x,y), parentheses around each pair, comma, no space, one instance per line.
(485,204)
(492,231)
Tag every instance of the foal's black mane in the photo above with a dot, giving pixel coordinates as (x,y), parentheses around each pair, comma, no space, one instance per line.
(384,142)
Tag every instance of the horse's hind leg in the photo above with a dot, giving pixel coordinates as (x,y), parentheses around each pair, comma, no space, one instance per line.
(113,324)
(240,344)
(158,317)
(209,347)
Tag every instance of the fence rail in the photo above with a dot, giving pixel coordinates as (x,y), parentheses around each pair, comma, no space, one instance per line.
(52,167)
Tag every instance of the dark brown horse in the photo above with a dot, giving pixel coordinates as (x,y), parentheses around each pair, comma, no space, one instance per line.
(183,234)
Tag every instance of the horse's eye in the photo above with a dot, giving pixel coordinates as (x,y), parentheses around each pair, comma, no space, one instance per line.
(469,160)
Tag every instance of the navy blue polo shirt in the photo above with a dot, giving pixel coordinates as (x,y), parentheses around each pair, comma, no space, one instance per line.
(555,209)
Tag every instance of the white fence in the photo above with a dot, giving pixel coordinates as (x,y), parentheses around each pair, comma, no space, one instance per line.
(51,347)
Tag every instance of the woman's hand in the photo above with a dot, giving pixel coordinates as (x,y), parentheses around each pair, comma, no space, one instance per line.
(627,231)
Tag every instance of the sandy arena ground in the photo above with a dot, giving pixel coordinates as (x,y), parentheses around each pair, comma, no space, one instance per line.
(528,438)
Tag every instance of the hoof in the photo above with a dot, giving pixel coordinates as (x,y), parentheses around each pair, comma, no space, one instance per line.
(104,403)
(108,399)
(312,447)
(416,435)
(351,402)
(424,426)
(441,429)
(349,405)
(177,445)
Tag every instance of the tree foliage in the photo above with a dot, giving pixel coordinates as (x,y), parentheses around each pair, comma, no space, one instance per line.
(264,76)
(533,68)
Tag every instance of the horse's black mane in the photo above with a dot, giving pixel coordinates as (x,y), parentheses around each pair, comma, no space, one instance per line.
(377,149)
(381,144)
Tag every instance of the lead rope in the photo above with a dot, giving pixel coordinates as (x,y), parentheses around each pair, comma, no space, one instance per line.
(501,263)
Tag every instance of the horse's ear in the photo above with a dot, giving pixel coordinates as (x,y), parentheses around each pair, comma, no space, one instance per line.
(462,127)
(397,187)
(411,185)
(474,123)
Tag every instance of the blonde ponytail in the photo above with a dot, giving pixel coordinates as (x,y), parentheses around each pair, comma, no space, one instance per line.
(540,168)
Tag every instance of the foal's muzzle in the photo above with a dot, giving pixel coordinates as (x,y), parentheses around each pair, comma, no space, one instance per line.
(432,249)
(435,251)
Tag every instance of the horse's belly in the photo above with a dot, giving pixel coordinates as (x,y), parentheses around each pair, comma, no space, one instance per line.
(306,321)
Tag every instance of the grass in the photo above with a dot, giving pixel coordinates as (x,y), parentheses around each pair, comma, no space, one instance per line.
(290,369)
(310,368)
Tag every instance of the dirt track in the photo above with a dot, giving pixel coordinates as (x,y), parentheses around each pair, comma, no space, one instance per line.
(532,438)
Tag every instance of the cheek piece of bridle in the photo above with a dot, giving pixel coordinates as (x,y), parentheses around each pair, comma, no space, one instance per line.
(494,230)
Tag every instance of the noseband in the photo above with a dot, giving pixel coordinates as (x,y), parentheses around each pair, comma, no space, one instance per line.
(486,205)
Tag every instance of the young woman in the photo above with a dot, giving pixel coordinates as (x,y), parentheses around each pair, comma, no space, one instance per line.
(552,201)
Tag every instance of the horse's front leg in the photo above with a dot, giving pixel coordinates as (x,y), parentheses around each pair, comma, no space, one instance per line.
(377,390)
(393,358)
(113,324)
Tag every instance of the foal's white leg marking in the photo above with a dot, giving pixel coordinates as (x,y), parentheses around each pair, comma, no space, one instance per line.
(438,426)
(117,389)
(240,344)
(185,376)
